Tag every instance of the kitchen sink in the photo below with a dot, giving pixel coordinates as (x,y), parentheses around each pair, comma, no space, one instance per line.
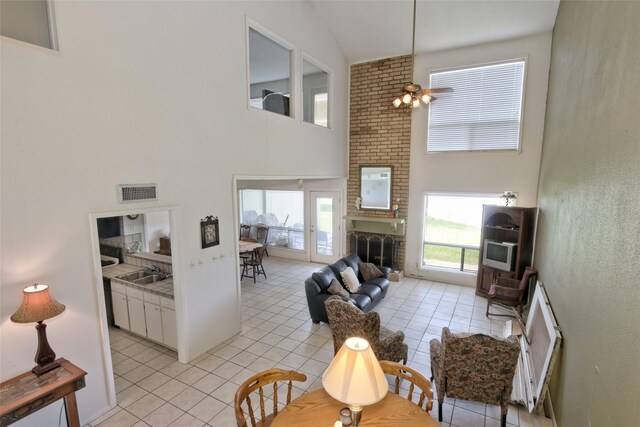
(143,277)
(149,279)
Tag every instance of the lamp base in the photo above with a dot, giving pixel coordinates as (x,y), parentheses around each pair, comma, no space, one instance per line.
(45,357)
(356,414)
(43,369)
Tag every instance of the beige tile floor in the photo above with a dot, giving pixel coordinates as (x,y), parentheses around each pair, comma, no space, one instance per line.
(154,389)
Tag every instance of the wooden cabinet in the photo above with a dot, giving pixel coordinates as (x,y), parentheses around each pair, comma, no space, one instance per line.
(512,225)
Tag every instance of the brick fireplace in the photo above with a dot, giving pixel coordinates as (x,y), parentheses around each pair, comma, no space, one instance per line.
(380,135)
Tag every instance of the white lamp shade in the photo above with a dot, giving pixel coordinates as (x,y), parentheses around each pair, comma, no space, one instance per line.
(354,376)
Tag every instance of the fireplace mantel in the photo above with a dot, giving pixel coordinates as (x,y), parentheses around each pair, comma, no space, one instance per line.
(372,224)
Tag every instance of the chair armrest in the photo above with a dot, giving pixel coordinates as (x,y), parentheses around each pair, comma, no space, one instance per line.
(391,346)
(497,291)
(507,283)
(385,271)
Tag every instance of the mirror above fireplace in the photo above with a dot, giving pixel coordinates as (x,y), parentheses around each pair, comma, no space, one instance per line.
(375,187)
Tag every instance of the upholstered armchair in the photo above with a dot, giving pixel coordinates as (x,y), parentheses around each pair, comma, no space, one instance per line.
(510,292)
(346,320)
(474,367)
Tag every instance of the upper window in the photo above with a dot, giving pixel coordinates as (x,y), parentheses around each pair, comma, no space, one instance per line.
(269,74)
(483,112)
(315,94)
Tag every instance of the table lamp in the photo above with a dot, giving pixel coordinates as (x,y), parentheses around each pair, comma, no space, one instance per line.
(355,377)
(37,306)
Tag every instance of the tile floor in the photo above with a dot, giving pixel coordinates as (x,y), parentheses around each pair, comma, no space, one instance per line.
(154,389)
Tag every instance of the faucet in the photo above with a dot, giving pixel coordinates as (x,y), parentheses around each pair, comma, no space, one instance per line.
(158,269)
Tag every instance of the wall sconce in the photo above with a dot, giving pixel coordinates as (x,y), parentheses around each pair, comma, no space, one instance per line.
(508,196)
(37,306)
(355,377)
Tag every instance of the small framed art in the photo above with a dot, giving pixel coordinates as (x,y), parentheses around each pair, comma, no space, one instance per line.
(209,232)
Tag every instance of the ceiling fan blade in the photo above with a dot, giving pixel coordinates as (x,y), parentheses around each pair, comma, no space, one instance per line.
(437,90)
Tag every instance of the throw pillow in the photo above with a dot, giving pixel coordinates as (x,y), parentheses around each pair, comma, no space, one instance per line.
(369,271)
(335,288)
(350,279)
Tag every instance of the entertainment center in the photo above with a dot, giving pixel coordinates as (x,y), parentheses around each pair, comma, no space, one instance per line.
(506,245)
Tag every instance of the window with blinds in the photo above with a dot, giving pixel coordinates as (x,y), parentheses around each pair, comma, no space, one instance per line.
(483,112)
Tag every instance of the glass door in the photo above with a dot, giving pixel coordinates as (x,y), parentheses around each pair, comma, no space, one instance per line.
(325,226)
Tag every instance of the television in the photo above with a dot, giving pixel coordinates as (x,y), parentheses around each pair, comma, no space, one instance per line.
(500,255)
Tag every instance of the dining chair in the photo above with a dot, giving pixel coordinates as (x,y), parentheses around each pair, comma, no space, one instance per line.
(262,232)
(245,230)
(414,378)
(254,264)
(257,382)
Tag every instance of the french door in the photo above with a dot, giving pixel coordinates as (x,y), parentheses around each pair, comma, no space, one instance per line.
(325,230)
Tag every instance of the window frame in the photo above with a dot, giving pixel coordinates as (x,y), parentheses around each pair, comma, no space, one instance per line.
(525,60)
(425,198)
(304,56)
(293,66)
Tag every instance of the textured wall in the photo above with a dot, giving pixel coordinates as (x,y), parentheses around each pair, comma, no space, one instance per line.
(589,197)
(380,134)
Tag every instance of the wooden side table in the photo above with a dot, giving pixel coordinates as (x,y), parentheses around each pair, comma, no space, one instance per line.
(28,393)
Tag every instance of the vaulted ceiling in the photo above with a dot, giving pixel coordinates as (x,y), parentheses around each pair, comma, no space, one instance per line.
(373,29)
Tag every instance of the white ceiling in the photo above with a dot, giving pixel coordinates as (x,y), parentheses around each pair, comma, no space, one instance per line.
(373,29)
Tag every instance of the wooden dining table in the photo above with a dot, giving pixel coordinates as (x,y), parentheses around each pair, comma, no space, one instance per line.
(318,409)
(244,246)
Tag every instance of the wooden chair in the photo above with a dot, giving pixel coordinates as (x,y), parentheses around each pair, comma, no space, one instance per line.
(415,378)
(262,232)
(245,230)
(257,382)
(510,292)
(254,264)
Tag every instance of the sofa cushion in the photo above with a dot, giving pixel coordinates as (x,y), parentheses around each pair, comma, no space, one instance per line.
(323,278)
(335,288)
(353,260)
(361,301)
(337,268)
(350,280)
(369,271)
(380,282)
(372,291)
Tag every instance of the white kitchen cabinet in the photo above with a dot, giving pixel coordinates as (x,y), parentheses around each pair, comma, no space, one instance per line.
(154,321)
(120,310)
(137,322)
(169,328)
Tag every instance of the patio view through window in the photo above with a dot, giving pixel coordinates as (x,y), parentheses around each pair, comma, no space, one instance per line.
(281,210)
(451,235)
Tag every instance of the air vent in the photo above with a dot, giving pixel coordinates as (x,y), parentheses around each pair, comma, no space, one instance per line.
(128,193)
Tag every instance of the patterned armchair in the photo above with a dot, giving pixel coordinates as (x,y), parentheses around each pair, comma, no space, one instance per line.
(474,367)
(346,320)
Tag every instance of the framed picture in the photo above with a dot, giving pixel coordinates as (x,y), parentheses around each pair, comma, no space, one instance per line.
(209,232)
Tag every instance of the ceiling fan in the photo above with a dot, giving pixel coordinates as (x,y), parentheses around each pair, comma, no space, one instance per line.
(413,93)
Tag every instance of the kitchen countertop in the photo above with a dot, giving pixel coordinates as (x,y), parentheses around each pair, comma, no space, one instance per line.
(163,287)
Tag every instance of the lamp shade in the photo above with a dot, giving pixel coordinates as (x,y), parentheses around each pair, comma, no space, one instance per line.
(37,305)
(354,376)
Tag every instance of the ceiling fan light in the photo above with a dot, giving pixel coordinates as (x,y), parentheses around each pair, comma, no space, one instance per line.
(426,99)
(415,103)
(406,98)
(397,102)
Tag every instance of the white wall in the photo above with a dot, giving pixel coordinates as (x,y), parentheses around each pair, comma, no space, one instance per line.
(141,92)
(479,172)
(156,225)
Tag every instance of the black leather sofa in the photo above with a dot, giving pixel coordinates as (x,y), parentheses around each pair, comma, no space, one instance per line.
(368,295)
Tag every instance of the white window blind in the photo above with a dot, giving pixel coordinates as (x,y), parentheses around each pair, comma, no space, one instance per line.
(482,113)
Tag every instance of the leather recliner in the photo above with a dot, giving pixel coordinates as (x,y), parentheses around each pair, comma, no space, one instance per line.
(365,298)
